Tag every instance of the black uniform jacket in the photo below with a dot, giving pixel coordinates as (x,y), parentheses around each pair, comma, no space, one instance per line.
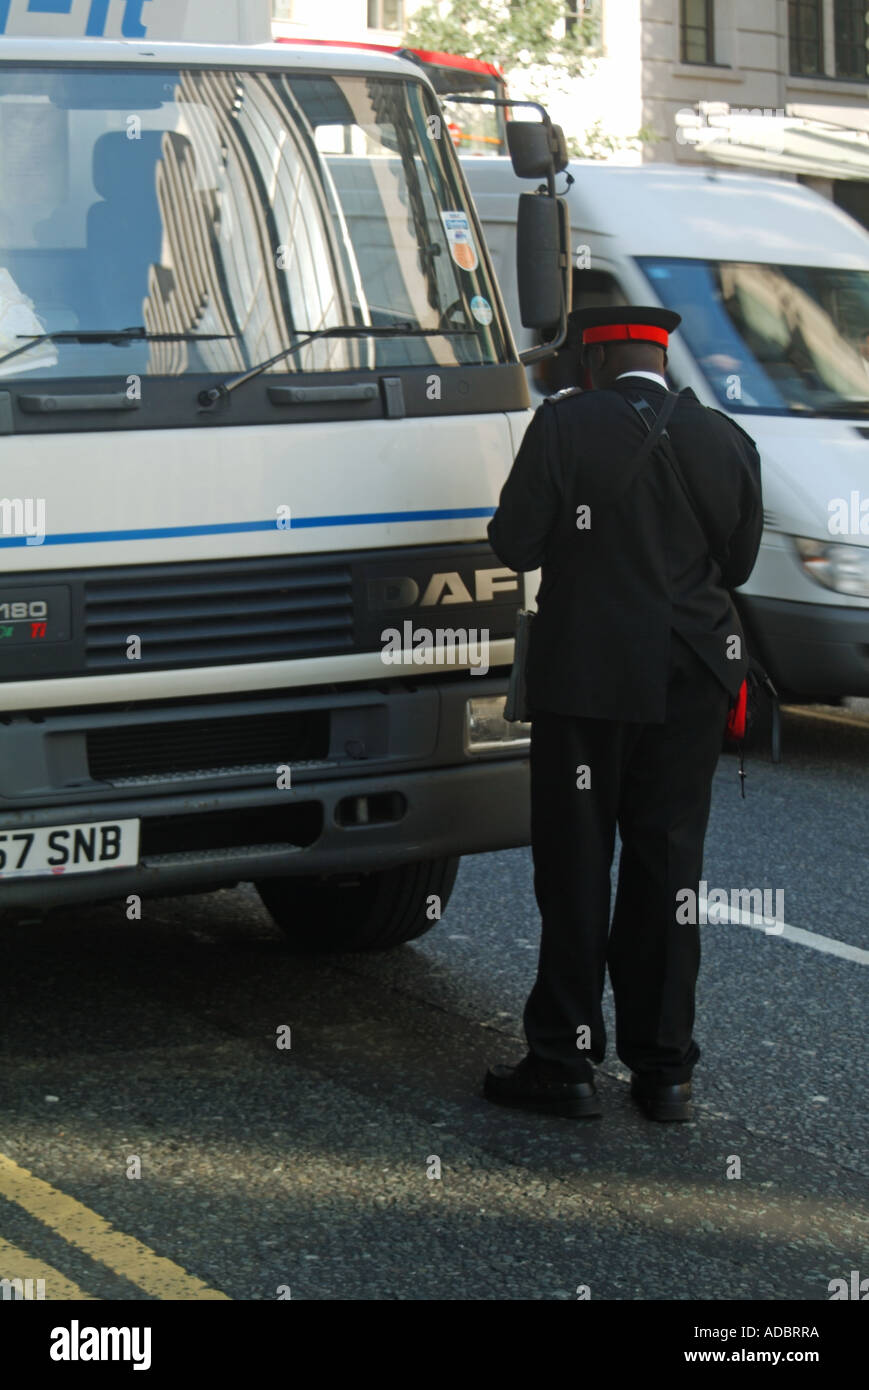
(638,564)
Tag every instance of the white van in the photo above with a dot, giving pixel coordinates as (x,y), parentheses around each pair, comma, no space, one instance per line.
(772,282)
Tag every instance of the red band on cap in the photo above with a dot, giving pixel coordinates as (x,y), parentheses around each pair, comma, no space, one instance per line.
(609,332)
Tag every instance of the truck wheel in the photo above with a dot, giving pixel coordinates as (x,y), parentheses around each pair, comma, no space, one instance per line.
(359,912)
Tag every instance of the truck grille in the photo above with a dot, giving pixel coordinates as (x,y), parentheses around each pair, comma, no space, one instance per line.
(255,608)
(230,611)
(156,751)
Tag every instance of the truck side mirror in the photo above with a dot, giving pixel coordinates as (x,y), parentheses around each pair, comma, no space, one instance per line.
(544,277)
(537,148)
(560,157)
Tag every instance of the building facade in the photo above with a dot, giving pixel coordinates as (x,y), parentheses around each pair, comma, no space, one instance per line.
(776,85)
(779,86)
(358,21)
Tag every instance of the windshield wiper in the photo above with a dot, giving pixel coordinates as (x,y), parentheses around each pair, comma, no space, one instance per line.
(217,393)
(109,335)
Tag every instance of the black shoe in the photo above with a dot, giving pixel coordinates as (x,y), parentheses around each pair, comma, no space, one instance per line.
(524,1087)
(660,1101)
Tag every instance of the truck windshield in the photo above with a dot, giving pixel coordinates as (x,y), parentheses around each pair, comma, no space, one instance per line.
(225,212)
(781,339)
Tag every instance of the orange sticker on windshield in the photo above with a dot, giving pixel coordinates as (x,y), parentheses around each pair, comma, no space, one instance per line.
(462,248)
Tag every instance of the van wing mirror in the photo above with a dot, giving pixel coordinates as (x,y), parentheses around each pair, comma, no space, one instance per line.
(537,148)
(543,269)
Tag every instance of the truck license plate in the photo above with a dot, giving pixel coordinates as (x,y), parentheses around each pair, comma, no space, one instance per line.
(69,849)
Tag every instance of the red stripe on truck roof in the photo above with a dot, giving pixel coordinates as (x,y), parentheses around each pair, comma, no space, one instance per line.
(445,60)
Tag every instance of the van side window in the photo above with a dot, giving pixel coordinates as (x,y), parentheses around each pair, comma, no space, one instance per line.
(592,289)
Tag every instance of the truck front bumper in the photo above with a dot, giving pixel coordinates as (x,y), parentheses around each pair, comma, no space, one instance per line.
(393,783)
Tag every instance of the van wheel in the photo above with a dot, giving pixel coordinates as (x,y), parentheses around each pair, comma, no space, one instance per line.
(359,912)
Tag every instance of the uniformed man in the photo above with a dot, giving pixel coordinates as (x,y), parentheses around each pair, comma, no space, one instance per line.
(634,655)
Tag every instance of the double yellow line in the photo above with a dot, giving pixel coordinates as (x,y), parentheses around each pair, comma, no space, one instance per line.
(94,1236)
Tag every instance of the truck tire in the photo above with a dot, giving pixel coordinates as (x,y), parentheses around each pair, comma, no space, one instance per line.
(359,912)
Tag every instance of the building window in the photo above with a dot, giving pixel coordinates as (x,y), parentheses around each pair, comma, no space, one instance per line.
(697,26)
(385,14)
(577,10)
(849,19)
(806,37)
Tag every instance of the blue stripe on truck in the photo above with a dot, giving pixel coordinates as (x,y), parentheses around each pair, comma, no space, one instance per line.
(156,533)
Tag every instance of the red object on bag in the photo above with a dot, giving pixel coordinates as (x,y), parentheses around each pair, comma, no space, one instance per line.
(736,717)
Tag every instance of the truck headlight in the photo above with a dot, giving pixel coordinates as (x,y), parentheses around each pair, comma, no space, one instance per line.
(844,568)
(486,729)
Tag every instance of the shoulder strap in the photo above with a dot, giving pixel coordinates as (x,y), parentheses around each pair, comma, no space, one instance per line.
(655,432)
(644,410)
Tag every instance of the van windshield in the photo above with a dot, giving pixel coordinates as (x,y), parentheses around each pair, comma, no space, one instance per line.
(780,339)
(225,213)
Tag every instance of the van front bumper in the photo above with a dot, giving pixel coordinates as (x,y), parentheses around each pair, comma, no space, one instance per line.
(813,650)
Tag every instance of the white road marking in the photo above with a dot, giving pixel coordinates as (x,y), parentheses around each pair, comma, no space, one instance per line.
(829,945)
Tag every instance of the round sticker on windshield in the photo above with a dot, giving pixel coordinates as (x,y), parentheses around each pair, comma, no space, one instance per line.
(462,248)
(481,309)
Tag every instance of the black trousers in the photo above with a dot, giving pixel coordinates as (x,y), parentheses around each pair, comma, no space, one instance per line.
(653,781)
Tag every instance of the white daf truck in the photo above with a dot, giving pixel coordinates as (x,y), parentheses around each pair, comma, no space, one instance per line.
(258,396)
(772,282)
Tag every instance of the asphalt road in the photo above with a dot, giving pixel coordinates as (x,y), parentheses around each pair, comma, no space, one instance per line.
(309,1171)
